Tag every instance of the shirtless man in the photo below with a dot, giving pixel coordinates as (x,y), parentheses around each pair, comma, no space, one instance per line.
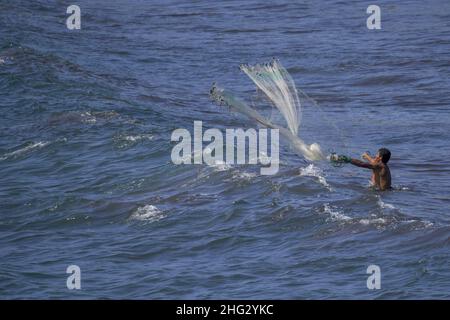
(381,175)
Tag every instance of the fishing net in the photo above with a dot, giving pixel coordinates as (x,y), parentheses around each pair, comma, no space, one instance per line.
(276,83)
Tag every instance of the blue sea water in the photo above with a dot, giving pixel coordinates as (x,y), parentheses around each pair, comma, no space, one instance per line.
(87,179)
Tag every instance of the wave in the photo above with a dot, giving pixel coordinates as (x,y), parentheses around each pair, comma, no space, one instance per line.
(383,80)
(312,171)
(148,213)
(380,221)
(29,148)
(392,220)
(83,117)
(37,63)
(384,205)
(128,140)
(335,215)
(138,137)
(219,165)
(238,175)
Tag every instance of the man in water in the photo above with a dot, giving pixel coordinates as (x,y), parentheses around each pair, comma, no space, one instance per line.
(381,175)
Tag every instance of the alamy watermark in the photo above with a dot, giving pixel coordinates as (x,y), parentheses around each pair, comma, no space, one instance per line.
(74,280)
(374,280)
(73,22)
(241,146)
(374,20)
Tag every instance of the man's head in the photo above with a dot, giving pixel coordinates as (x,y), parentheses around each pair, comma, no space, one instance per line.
(384,155)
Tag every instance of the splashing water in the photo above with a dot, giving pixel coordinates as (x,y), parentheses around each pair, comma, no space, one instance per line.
(313,171)
(277,84)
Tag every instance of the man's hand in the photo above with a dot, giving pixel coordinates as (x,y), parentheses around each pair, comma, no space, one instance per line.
(367,157)
(344,159)
(339,158)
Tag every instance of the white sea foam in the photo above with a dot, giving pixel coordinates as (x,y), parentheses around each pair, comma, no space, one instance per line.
(335,214)
(313,171)
(422,223)
(372,221)
(221,166)
(136,138)
(243,175)
(29,148)
(427,224)
(401,188)
(384,205)
(148,213)
(88,117)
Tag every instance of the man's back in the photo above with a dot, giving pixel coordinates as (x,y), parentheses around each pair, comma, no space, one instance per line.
(381,177)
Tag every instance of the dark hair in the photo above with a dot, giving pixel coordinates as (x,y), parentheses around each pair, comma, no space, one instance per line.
(385,155)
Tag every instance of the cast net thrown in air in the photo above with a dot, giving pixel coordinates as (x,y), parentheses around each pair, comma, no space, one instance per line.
(278,86)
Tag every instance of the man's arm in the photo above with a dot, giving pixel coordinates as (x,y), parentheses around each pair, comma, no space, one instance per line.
(368,157)
(363,164)
(368,165)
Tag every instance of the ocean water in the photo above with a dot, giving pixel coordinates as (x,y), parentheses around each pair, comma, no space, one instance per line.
(87,179)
